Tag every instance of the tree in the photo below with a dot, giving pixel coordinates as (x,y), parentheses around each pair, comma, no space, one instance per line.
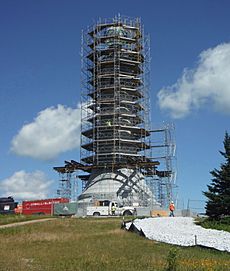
(218,194)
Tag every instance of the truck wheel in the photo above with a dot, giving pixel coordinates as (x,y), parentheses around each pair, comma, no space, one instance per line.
(96,214)
(127,213)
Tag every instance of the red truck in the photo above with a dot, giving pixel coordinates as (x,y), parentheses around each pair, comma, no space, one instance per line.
(41,207)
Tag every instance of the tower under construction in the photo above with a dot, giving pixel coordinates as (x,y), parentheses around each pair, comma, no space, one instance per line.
(115,128)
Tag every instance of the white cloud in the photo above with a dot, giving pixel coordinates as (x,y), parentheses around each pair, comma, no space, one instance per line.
(54,131)
(207,84)
(25,186)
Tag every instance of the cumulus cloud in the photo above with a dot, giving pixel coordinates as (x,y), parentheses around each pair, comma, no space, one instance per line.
(26,186)
(207,84)
(54,131)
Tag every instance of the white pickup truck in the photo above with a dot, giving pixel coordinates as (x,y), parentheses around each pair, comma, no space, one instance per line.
(107,208)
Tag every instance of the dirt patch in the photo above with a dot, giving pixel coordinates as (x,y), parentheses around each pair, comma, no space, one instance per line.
(24,223)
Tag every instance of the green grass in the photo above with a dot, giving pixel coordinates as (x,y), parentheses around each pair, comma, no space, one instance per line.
(88,244)
(221,224)
(8,219)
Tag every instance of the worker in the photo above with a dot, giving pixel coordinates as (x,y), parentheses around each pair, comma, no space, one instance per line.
(171,208)
(108,123)
(113,209)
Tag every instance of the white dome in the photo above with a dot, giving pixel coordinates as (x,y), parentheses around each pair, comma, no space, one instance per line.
(125,185)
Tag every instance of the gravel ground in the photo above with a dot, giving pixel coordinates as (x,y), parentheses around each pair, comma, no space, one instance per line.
(182,231)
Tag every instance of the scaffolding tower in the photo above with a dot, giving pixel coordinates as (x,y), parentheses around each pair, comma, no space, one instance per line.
(115,121)
(164,150)
(68,183)
(115,126)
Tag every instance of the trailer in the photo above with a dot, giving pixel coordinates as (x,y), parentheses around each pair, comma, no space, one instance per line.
(65,209)
(7,205)
(41,207)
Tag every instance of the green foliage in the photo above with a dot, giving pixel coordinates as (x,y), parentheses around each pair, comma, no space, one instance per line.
(172,260)
(220,224)
(218,194)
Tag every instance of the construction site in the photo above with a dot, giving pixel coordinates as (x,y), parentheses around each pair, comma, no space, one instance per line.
(89,178)
(123,158)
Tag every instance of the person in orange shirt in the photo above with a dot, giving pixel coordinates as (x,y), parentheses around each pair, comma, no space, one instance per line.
(171,208)
(18,209)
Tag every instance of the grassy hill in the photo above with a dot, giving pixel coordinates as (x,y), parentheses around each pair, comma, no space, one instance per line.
(88,244)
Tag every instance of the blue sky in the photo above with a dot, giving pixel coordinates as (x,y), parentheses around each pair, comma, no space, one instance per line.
(40,69)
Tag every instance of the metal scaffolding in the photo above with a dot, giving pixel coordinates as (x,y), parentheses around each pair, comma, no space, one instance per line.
(68,184)
(115,105)
(164,150)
